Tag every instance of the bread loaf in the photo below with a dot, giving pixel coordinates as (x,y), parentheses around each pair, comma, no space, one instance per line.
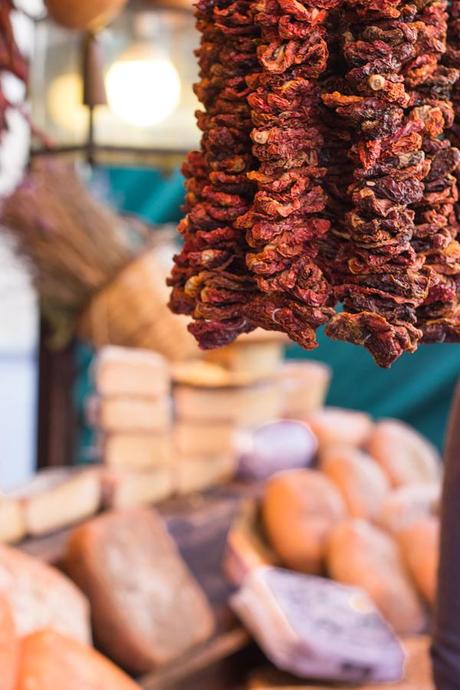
(42,597)
(362,555)
(358,477)
(147,609)
(136,451)
(9,647)
(420,548)
(404,455)
(12,520)
(59,497)
(334,425)
(52,661)
(129,372)
(407,504)
(300,508)
(304,387)
(129,415)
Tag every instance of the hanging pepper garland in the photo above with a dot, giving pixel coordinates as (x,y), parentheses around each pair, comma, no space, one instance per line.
(348,188)
(11,59)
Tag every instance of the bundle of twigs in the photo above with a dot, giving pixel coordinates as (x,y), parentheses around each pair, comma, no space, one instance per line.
(89,265)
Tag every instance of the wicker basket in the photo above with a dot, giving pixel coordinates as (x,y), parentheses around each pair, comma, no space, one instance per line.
(132,311)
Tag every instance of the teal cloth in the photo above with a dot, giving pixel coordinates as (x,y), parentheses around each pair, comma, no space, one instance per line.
(417,389)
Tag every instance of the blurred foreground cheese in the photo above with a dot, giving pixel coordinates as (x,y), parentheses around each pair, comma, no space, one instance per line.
(124,488)
(12,520)
(258,360)
(53,661)
(42,597)
(9,647)
(409,503)
(58,497)
(124,415)
(136,451)
(129,372)
(205,439)
(315,628)
(146,607)
(246,405)
(304,387)
(420,549)
(364,556)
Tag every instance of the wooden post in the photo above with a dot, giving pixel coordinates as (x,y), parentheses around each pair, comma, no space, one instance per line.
(446,638)
(56,412)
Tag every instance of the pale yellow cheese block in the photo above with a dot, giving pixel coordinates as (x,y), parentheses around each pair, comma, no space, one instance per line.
(248,405)
(57,498)
(12,520)
(259,360)
(136,451)
(131,372)
(195,439)
(305,386)
(129,414)
(125,489)
(196,474)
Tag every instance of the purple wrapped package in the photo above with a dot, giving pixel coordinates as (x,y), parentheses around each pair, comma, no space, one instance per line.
(276,446)
(318,629)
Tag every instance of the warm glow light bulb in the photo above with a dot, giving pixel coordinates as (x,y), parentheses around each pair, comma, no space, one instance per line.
(143,88)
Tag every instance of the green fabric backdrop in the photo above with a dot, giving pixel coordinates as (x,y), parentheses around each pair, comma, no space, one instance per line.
(417,389)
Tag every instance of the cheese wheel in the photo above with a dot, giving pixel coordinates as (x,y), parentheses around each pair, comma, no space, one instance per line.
(335,425)
(9,647)
(404,455)
(359,479)
(300,508)
(363,555)
(51,661)
(420,548)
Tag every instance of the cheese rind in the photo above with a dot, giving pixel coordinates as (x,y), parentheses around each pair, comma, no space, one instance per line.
(59,497)
(199,473)
(147,609)
(407,504)
(205,439)
(420,549)
(130,372)
(42,597)
(334,425)
(304,386)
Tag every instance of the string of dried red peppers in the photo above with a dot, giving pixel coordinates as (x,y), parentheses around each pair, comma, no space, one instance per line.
(381,238)
(11,59)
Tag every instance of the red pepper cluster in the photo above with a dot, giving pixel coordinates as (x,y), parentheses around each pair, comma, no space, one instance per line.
(11,59)
(344,123)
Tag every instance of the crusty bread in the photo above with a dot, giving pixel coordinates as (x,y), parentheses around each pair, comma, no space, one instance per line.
(146,607)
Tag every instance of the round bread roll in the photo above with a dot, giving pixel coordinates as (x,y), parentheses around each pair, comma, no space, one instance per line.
(334,425)
(420,549)
(83,14)
(404,455)
(362,483)
(299,509)
(409,503)
(362,555)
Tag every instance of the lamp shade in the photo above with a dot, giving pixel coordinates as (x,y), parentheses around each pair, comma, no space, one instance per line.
(84,14)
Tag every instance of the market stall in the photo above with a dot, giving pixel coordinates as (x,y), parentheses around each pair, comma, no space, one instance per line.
(228,527)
